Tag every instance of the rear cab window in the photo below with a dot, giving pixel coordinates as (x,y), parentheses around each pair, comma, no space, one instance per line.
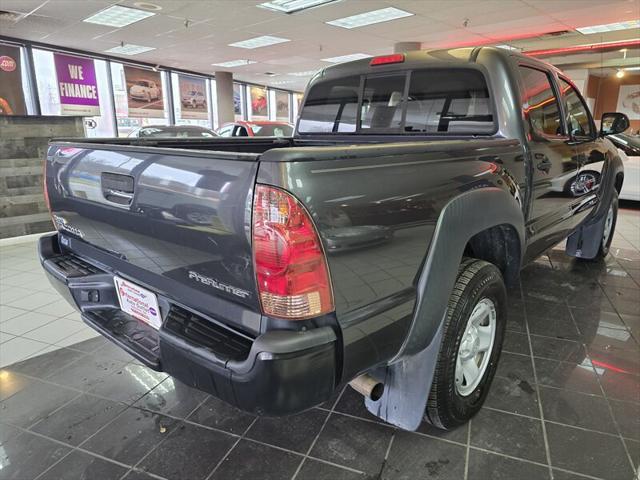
(437,101)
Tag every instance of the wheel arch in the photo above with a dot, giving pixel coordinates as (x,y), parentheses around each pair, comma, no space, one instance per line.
(464,223)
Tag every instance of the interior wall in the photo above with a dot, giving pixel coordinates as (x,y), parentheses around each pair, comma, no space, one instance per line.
(604,91)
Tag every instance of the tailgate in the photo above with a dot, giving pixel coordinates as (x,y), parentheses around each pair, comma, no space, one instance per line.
(175,221)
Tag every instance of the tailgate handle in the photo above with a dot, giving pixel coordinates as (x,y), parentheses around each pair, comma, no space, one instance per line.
(117,188)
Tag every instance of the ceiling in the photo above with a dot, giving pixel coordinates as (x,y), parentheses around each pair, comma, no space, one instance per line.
(195,34)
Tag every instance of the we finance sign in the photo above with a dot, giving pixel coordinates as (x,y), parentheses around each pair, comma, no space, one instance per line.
(77,85)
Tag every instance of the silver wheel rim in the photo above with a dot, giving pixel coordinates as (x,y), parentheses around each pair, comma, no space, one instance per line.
(608,224)
(476,347)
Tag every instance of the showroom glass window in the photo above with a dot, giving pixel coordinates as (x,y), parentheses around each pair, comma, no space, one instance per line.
(578,119)
(331,106)
(136,98)
(191,100)
(539,102)
(442,101)
(382,102)
(49,95)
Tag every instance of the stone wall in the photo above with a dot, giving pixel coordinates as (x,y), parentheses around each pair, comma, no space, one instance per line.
(23,146)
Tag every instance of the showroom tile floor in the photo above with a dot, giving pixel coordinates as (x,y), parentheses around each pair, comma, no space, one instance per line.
(565,403)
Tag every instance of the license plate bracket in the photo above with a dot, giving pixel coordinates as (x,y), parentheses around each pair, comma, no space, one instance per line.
(138,302)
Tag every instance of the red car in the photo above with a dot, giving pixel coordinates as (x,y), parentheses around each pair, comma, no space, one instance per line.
(256,129)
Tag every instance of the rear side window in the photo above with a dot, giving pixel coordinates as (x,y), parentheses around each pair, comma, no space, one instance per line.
(539,102)
(439,101)
(449,101)
(331,107)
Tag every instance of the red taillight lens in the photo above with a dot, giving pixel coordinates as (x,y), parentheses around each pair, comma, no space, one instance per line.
(387,59)
(291,269)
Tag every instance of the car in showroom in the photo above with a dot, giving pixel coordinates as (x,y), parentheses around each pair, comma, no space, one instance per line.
(629,147)
(146,90)
(194,99)
(256,128)
(172,131)
(245,267)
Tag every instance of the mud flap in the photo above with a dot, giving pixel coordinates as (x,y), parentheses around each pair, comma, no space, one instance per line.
(406,386)
(585,242)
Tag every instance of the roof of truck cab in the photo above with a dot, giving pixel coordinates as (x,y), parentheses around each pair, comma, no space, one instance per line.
(426,58)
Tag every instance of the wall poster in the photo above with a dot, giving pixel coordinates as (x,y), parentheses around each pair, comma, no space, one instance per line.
(12,100)
(144,92)
(259,103)
(629,101)
(193,97)
(77,85)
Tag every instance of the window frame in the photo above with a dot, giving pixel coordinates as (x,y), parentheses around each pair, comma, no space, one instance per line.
(400,131)
(592,124)
(551,78)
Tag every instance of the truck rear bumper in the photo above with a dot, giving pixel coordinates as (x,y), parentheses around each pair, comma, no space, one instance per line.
(277,373)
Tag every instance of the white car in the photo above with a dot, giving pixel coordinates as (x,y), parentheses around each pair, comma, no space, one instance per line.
(146,90)
(194,99)
(629,148)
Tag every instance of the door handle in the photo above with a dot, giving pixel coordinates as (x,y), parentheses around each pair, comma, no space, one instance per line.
(544,165)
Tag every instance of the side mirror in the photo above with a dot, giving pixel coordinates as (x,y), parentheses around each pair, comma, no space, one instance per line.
(613,122)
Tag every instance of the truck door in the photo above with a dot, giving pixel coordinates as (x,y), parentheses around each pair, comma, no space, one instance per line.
(590,151)
(553,162)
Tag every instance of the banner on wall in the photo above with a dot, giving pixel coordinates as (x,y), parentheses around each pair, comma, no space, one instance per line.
(144,92)
(77,85)
(282,106)
(193,97)
(629,101)
(237,100)
(11,94)
(259,103)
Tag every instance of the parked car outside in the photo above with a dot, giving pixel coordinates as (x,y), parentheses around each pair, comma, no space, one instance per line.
(172,131)
(193,99)
(145,90)
(256,129)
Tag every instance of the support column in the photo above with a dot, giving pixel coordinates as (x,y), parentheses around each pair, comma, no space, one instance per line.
(224,97)
(402,47)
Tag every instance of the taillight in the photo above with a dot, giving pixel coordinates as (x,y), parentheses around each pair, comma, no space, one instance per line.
(291,269)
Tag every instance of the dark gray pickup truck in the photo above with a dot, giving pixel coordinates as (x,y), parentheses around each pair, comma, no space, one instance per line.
(372,248)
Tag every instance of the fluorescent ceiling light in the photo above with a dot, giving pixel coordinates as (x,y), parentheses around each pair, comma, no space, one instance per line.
(258,42)
(508,47)
(630,69)
(346,58)
(609,27)
(282,82)
(233,63)
(129,49)
(369,18)
(118,16)
(308,73)
(291,6)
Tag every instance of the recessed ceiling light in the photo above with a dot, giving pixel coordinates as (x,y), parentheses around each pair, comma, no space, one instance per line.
(291,6)
(609,27)
(117,16)
(147,6)
(369,18)
(233,63)
(258,42)
(346,58)
(129,49)
(308,73)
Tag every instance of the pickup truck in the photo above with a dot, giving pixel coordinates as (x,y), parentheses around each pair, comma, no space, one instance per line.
(372,248)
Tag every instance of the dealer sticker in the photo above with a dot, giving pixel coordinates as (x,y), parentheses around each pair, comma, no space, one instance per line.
(138,302)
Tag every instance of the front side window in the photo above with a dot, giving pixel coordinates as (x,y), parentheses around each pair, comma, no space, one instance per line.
(539,102)
(578,118)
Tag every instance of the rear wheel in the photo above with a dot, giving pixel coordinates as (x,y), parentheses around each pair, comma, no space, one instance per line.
(471,345)
(609,228)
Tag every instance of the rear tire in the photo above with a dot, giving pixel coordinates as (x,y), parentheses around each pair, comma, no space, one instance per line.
(610,221)
(476,318)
